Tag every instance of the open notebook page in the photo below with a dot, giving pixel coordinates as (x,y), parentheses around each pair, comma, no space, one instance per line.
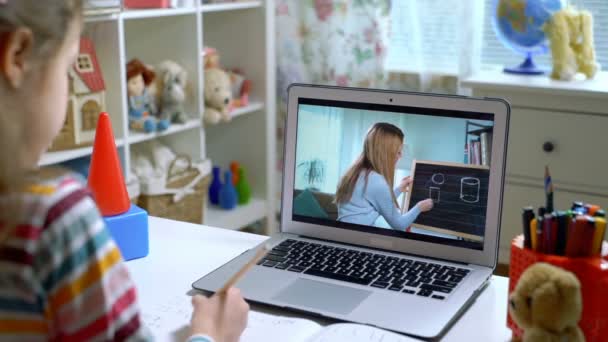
(169,321)
(265,328)
(349,332)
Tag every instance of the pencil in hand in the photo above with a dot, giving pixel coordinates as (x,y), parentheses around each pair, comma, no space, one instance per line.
(240,273)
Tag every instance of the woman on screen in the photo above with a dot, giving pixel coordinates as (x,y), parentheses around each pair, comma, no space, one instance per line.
(366,190)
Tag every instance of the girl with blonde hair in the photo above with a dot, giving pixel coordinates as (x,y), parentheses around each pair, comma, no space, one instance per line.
(62,276)
(366,192)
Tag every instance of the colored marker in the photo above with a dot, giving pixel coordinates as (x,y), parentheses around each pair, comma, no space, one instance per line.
(533,239)
(549,233)
(600,213)
(591,209)
(540,238)
(574,236)
(588,232)
(562,219)
(528,216)
(600,230)
(578,208)
(548,189)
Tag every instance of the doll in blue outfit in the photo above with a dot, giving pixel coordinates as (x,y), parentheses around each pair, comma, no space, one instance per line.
(366,191)
(142,109)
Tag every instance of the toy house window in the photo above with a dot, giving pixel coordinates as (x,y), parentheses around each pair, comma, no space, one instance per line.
(90,111)
(84,63)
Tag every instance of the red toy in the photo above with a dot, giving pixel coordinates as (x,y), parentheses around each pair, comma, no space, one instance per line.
(105,175)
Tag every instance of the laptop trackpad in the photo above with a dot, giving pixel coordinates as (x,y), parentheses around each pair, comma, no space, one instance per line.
(322,296)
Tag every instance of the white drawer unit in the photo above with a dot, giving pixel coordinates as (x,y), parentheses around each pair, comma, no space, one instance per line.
(560,124)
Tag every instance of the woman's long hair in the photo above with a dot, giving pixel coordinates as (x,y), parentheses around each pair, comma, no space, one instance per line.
(380,153)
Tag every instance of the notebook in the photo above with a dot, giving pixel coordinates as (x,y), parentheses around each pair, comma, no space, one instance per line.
(168,321)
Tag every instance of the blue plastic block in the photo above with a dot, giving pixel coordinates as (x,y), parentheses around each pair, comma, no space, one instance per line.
(130,231)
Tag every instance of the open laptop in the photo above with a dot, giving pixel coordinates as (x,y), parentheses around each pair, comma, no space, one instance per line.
(416,279)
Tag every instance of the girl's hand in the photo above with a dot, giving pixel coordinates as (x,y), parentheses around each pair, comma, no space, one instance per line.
(222,317)
(425,205)
(405,183)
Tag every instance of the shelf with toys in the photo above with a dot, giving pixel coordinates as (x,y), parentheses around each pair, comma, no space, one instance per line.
(175,128)
(105,80)
(247,131)
(230,6)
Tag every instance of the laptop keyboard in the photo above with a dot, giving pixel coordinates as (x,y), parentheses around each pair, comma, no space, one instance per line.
(404,275)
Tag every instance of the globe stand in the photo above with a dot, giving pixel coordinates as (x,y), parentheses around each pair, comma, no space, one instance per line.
(526,68)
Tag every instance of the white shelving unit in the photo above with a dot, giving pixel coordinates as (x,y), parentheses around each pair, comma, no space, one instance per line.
(241,216)
(179,34)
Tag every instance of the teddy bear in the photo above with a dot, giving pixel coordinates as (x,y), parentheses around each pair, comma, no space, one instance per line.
(171,85)
(218,96)
(570,33)
(547,304)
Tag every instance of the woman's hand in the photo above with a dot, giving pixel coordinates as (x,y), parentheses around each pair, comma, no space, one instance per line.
(223,317)
(405,183)
(425,205)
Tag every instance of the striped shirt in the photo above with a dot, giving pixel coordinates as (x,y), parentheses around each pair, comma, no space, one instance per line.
(62,276)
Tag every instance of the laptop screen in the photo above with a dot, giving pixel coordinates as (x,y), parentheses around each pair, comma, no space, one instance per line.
(406,172)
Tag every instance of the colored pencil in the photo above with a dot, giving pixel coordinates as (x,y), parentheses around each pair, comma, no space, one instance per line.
(548,190)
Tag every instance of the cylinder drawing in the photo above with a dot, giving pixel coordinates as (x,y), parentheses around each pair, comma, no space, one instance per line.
(435,194)
(469,189)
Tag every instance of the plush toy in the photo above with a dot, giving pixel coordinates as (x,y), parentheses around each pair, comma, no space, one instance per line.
(218,96)
(547,304)
(171,87)
(211,58)
(142,109)
(241,87)
(571,35)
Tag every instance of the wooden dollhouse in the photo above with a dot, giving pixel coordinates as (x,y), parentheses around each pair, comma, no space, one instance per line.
(87,100)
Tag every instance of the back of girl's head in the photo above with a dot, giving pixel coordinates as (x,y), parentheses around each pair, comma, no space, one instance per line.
(48,22)
(380,152)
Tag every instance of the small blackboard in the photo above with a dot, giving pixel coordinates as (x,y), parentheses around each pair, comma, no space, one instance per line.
(459,193)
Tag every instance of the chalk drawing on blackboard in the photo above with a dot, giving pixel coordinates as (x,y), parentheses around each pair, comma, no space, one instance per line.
(469,189)
(438,178)
(435,194)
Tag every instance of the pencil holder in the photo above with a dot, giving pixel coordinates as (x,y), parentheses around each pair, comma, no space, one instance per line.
(592,272)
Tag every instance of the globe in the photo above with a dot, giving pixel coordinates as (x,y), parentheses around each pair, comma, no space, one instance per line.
(519,26)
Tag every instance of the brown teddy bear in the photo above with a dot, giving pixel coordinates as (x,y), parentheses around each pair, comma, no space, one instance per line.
(218,96)
(547,304)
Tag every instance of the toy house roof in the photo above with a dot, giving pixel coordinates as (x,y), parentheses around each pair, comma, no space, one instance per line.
(92,76)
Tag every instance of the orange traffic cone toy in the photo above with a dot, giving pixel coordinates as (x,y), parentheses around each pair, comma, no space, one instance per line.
(105,176)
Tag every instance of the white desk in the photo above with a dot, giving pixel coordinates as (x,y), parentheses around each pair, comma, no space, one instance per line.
(180,253)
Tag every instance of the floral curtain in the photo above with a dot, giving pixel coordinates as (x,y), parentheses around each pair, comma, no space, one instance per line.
(334,42)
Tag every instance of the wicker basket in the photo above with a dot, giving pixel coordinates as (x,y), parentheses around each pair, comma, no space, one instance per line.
(183,195)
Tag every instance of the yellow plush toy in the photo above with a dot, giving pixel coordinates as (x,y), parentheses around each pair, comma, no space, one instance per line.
(570,33)
(218,96)
(547,304)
